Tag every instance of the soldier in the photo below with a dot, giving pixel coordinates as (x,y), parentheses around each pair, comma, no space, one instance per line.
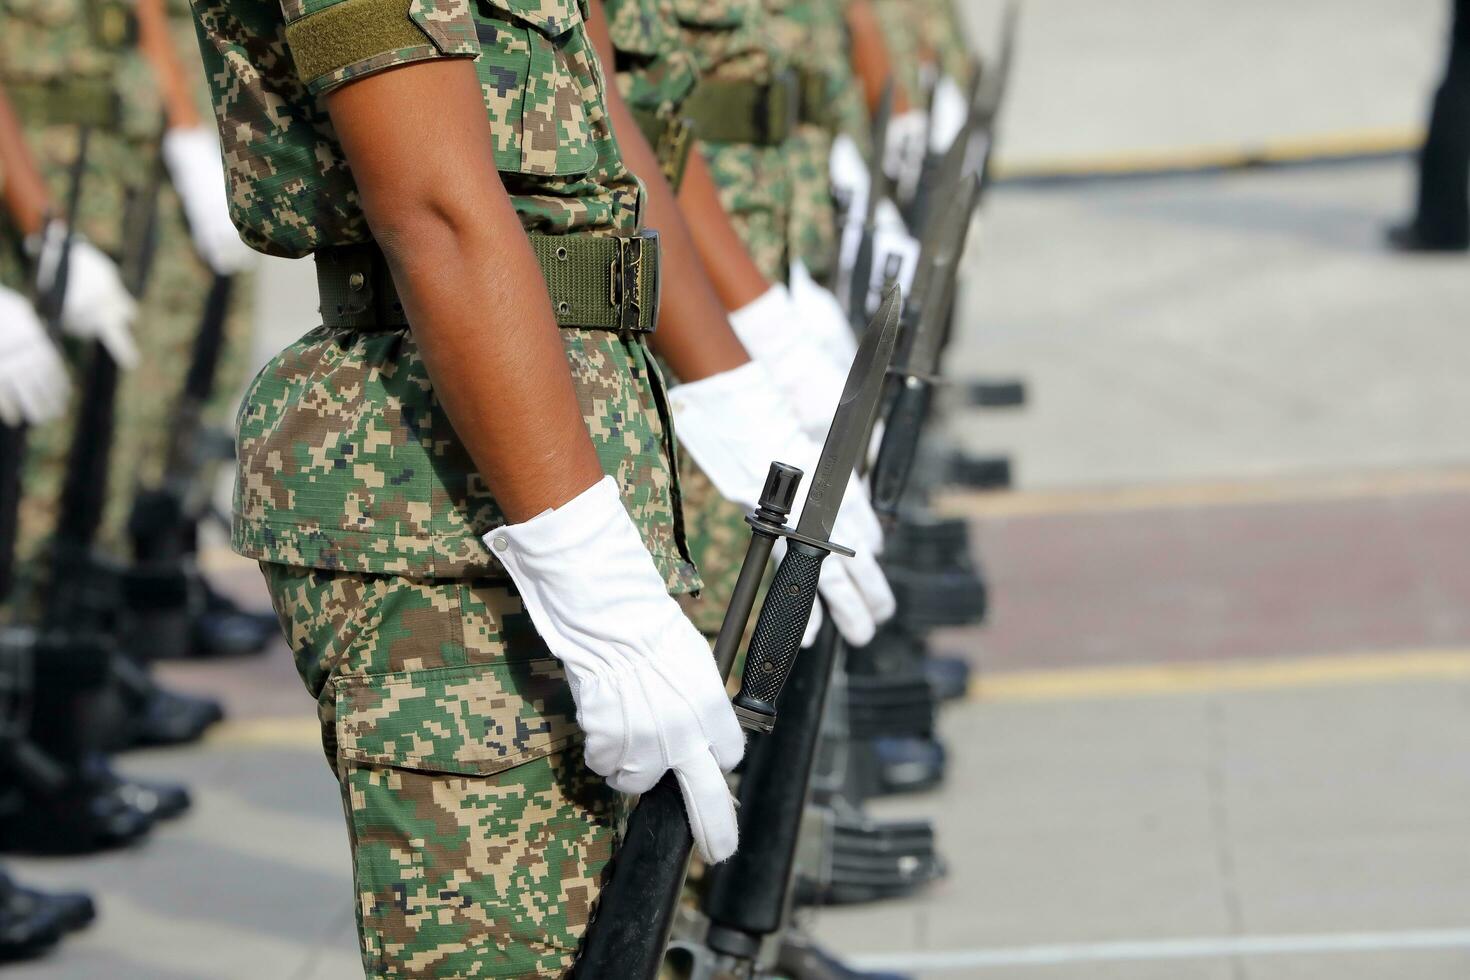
(658,76)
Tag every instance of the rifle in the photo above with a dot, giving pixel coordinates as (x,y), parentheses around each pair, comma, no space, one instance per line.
(161,523)
(630,933)
(862,268)
(49,303)
(916,380)
(77,586)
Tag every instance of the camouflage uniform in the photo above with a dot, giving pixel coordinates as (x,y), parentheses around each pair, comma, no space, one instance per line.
(923,33)
(731,43)
(479,838)
(812,36)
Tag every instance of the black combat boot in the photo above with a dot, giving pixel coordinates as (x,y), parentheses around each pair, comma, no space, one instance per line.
(82,815)
(23,935)
(69,910)
(223,629)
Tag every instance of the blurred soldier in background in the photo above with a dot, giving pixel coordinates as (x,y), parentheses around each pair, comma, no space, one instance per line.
(1441,220)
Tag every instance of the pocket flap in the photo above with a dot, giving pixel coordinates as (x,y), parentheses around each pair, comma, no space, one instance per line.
(551,17)
(474,720)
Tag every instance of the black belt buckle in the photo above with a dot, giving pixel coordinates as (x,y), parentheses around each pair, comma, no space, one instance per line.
(627,281)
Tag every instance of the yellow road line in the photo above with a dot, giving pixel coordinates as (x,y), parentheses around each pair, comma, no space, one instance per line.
(1027,503)
(294,731)
(1192,678)
(1319,146)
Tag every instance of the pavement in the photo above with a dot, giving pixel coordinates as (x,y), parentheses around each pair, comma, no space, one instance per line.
(1222,706)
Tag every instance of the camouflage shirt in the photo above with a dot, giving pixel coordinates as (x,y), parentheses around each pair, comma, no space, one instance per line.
(347,459)
(654,70)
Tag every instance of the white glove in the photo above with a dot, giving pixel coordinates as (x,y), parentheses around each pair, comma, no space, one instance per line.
(734,424)
(795,351)
(33,379)
(904,150)
(849,173)
(894,250)
(194,165)
(97,305)
(822,315)
(947,116)
(647,690)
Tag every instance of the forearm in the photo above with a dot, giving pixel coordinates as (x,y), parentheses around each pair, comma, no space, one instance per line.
(694,336)
(736,277)
(26,198)
(156,43)
(469,282)
(870,59)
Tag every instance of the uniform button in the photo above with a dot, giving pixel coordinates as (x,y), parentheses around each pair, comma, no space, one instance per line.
(355,281)
(500,543)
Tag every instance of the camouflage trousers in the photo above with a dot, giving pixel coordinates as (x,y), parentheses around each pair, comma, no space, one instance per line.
(755,189)
(813,219)
(479,839)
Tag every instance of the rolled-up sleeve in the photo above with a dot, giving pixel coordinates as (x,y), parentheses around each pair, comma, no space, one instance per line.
(336,41)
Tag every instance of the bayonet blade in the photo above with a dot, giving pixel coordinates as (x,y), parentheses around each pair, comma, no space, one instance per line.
(927,342)
(846,440)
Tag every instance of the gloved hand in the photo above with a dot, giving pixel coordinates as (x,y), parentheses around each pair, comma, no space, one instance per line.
(947,116)
(97,306)
(822,314)
(797,352)
(648,694)
(850,179)
(904,149)
(894,249)
(193,160)
(33,380)
(734,424)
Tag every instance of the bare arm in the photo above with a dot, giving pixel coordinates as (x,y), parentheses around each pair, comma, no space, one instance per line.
(26,198)
(694,334)
(870,59)
(737,278)
(468,279)
(157,45)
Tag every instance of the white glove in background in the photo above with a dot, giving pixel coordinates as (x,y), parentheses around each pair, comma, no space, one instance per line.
(97,305)
(733,425)
(821,313)
(849,174)
(648,694)
(905,147)
(33,381)
(947,115)
(194,166)
(892,243)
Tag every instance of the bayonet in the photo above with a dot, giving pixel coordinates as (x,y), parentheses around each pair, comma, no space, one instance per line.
(630,933)
(862,267)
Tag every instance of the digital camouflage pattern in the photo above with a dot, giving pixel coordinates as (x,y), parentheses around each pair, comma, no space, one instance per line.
(654,70)
(479,840)
(812,36)
(730,40)
(348,461)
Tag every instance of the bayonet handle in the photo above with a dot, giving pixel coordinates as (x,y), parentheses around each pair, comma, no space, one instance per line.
(778,632)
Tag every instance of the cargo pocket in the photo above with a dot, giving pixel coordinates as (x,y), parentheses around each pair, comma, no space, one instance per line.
(479,839)
(532,72)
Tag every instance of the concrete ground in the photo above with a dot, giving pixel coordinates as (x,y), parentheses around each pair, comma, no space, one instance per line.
(1223,699)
